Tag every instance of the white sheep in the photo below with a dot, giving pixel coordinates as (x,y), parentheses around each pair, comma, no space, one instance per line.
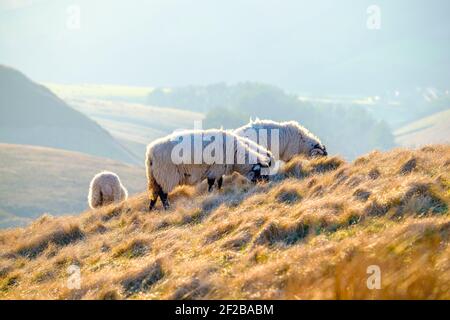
(253,146)
(106,188)
(182,159)
(293,139)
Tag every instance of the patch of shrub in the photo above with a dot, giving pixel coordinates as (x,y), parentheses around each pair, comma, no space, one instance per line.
(409,166)
(288,195)
(275,233)
(219,232)
(193,289)
(374,174)
(325,164)
(109,294)
(237,243)
(132,249)
(362,195)
(61,236)
(377,209)
(142,280)
(420,199)
(9,282)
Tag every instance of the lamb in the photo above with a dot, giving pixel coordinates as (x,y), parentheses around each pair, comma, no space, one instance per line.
(170,161)
(106,188)
(293,139)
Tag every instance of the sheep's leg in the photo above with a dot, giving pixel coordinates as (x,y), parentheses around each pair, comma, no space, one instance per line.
(154,197)
(152,203)
(154,190)
(211,184)
(219,183)
(164,199)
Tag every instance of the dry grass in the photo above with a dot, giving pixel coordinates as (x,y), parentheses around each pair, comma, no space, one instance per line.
(311,233)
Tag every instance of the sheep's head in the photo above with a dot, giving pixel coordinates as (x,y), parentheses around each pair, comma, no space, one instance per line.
(265,167)
(258,163)
(256,174)
(318,150)
(310,145)
(313,147)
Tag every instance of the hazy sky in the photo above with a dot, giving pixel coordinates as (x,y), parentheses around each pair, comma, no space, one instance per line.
(321,46)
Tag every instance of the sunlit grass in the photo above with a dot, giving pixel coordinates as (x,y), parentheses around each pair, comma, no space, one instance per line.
(309,234)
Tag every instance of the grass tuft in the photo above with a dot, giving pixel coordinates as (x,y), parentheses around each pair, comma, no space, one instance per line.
(143,279)
(60,235)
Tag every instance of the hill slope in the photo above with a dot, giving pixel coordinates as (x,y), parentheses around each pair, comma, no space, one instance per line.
(431,129)
(310,233)
(32,114)
(133,124)
(100,91)
(35,180)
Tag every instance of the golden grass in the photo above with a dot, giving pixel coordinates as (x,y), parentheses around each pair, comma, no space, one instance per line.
(311,233)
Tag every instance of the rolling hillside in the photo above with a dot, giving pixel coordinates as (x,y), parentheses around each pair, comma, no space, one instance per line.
(31,114)
(311,233)
(100,91)
(431,129)
(135,125)
(37,180)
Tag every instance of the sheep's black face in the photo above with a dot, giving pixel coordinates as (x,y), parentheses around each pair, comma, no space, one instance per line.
(256,175)
(318,151)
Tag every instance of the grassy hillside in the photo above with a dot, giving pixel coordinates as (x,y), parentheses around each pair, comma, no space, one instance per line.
(32,114)
(35,180)
(310,233)
(431,129)
(135,125)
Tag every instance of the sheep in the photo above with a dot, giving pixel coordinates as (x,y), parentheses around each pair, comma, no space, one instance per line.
(254,146)
(293,139)
(106,188)
(170,161)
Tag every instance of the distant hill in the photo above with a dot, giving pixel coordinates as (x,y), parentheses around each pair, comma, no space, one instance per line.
(100,91)
(431,129)
(135,125)
(36,180)
(31,114)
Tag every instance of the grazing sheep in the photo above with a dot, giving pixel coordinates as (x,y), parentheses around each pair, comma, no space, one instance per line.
(293,139)
(170,161)
(252,145)
(106,188)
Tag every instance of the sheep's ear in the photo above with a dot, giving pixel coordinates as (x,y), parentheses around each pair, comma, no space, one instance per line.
(269,164)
